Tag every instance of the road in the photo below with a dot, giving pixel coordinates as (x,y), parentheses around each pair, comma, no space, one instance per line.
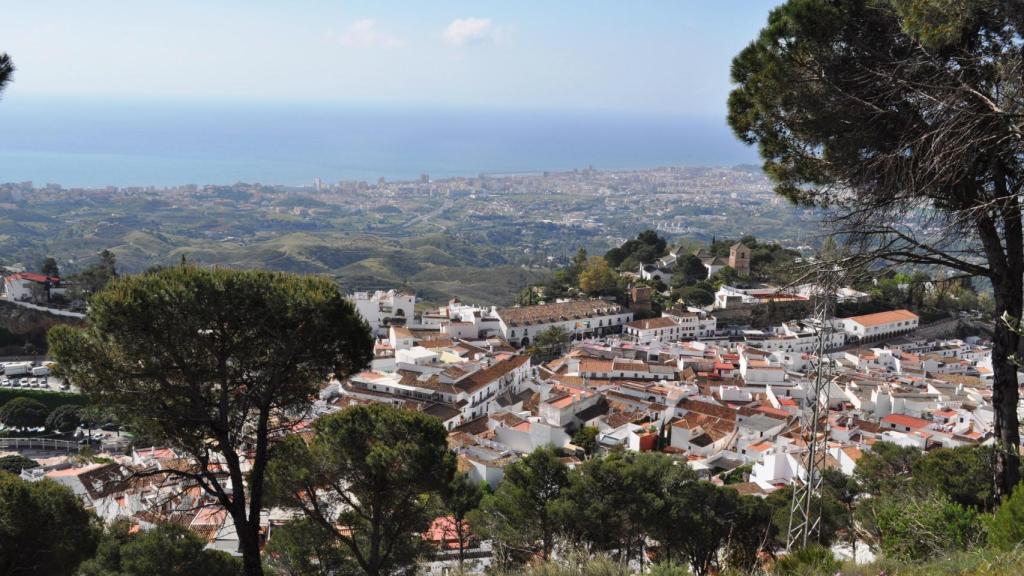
(426,217)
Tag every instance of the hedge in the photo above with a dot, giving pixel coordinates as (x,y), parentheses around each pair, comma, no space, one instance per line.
(50,399)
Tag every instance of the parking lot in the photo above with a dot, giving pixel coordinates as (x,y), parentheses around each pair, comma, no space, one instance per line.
(35,374)
(50,383)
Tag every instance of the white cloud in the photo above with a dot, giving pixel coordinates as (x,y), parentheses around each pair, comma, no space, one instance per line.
(463,31)
(365,34)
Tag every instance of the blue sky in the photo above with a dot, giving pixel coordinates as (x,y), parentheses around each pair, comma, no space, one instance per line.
(652,57)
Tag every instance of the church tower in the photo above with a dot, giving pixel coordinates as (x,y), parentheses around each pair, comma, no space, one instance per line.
(739,258)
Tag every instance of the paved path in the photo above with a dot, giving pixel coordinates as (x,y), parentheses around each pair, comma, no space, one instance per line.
(54,311)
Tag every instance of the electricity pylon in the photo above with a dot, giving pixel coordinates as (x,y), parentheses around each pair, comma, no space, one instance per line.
(805,510)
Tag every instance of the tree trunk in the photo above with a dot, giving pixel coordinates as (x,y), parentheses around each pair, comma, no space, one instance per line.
(459,533)
(1005,394)
(249,544)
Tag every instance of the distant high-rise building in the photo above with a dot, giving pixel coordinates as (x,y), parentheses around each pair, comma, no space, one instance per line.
(318,184)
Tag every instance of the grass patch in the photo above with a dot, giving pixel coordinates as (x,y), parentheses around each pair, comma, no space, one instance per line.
(982,562)
(50,399)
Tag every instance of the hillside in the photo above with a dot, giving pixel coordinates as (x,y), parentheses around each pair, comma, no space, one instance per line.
(23,330)
(482,239)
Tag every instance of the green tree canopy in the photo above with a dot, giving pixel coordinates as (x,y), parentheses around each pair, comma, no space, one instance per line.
(6,70)
(688,270)
(523,510)
(704,515)
(303,548)
(550,342)
(753,531)
(834,515)
(902,118)
(887,467)
(23,412)
(597,277)
(647,247)
(910,527)
(50,267)
(44,530)
(363,478)
(213,361)
(96,276)
(586,438)
(612,502)
(1006,527)
(963,474)
(166,550)
(699,294)
(64,418)
(15,463)
(460,498)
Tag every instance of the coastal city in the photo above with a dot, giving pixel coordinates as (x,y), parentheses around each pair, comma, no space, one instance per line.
(486,288)
(434,235)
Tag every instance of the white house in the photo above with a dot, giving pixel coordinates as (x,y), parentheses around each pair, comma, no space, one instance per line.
(655,329)
(655,272)
(32,287)
(579,318)
(382,309)
(695,324)
(880,325)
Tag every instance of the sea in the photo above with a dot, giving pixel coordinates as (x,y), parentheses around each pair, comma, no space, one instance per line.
(94,142)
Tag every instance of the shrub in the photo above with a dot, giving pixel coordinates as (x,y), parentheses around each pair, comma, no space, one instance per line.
(15,463)
(579,564)
(810,561)
(1006,526)
(23,413)
(50,399)
(921,527)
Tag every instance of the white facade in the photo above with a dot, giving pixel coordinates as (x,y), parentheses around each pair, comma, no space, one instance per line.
(881,325)
(380,309)
(579,319)
(31,287)
(654,272)
(656,330)
(759,295)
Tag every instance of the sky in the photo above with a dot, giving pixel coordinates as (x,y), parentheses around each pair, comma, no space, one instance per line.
(656,56)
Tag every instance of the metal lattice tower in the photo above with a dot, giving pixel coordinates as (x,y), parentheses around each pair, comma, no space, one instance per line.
(805,510)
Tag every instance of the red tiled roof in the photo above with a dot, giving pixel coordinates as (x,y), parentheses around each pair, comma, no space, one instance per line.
(707,408)
(482,378)
(33,277)
(561,311)
(880,318)
(904,420)
(652,323)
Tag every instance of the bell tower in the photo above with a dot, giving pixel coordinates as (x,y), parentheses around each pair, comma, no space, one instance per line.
(739,258)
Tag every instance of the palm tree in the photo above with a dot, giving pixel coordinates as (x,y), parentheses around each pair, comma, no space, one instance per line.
(6,70)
